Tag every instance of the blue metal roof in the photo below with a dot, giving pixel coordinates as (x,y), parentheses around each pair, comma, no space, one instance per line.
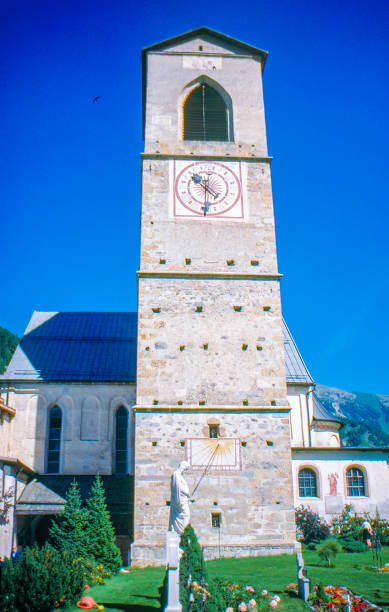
(98,346)
(296,370)
(321,413)
(79,346)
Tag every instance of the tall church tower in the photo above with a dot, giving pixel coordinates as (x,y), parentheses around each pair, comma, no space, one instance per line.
(211,385)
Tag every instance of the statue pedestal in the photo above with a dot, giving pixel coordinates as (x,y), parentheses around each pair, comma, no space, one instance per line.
(173,555)
(302,579)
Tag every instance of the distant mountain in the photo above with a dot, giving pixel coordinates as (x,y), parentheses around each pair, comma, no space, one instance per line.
(366,415)
(8,344)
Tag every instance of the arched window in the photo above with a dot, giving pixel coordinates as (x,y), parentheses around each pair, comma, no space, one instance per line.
(121,450)
(355,482)
(307,483)
(54,440)
(205,115)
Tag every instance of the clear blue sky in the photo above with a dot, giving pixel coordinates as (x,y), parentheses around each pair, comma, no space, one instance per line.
(69,184)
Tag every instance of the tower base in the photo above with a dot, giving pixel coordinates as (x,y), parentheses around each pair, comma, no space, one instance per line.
(143,555)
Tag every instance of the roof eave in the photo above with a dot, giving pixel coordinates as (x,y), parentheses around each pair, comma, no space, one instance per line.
(17,463)
(159,46)
(204,30)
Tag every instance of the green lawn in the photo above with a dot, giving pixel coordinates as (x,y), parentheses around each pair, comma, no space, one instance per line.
(133,592)
(138,590)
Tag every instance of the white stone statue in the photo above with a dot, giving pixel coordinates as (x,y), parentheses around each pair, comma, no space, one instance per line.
(179,499)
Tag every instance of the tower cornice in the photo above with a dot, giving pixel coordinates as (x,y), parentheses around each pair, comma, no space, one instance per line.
(248,158)
(212,409)
(208,275)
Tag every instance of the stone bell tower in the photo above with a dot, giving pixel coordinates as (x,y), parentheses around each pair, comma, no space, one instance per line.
(211,384)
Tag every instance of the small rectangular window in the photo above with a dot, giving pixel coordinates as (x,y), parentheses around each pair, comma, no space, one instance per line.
(216,519)
(213,431)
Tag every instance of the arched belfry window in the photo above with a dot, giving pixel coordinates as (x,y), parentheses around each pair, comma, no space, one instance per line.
(307,483)
(206,115)
(54,440)
(121,449)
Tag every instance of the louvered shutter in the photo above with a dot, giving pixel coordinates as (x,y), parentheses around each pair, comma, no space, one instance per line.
(205,115)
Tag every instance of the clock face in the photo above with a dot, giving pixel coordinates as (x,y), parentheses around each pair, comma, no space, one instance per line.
(207,190)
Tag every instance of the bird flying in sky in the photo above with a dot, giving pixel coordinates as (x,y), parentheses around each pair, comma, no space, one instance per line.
(96,99)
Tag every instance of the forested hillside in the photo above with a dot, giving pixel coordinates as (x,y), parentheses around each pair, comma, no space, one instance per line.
(8,344)
(366,415)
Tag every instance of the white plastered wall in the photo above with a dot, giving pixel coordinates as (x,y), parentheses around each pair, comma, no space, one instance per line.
(88,424)
(374,465)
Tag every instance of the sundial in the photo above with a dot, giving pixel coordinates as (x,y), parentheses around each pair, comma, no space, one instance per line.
(213,454)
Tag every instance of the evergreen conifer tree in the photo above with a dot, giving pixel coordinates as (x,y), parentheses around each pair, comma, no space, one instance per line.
(101,535)
(69,530)
(192,564)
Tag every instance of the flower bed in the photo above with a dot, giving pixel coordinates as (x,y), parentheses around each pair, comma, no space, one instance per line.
(337,599)
(238,598)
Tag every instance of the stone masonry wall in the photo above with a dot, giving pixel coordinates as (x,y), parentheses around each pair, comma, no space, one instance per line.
(208,243)
(219,355)
(256,503)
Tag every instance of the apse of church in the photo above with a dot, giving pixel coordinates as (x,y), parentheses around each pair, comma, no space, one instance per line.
(211,383)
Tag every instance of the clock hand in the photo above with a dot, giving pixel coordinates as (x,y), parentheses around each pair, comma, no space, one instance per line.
(198,180)
(211,191)
(206,204)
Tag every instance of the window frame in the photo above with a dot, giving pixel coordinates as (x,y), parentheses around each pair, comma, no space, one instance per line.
(127,449)
(49,439)
(186,93)
(363,472)
(314,471)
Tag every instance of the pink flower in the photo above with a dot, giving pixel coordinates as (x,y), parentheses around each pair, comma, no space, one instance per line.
(276,598)
(229,609)
(273,603)
(242,607)
(251,589)
(252,603)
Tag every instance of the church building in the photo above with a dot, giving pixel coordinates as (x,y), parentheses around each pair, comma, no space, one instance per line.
(206,370)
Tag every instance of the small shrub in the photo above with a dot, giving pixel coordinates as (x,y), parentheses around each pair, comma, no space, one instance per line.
(328,550)
(347,524)
(41,580)
(309,526)
(93,572)
(351,545)
(7,587)
(380,528)
(245,597)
